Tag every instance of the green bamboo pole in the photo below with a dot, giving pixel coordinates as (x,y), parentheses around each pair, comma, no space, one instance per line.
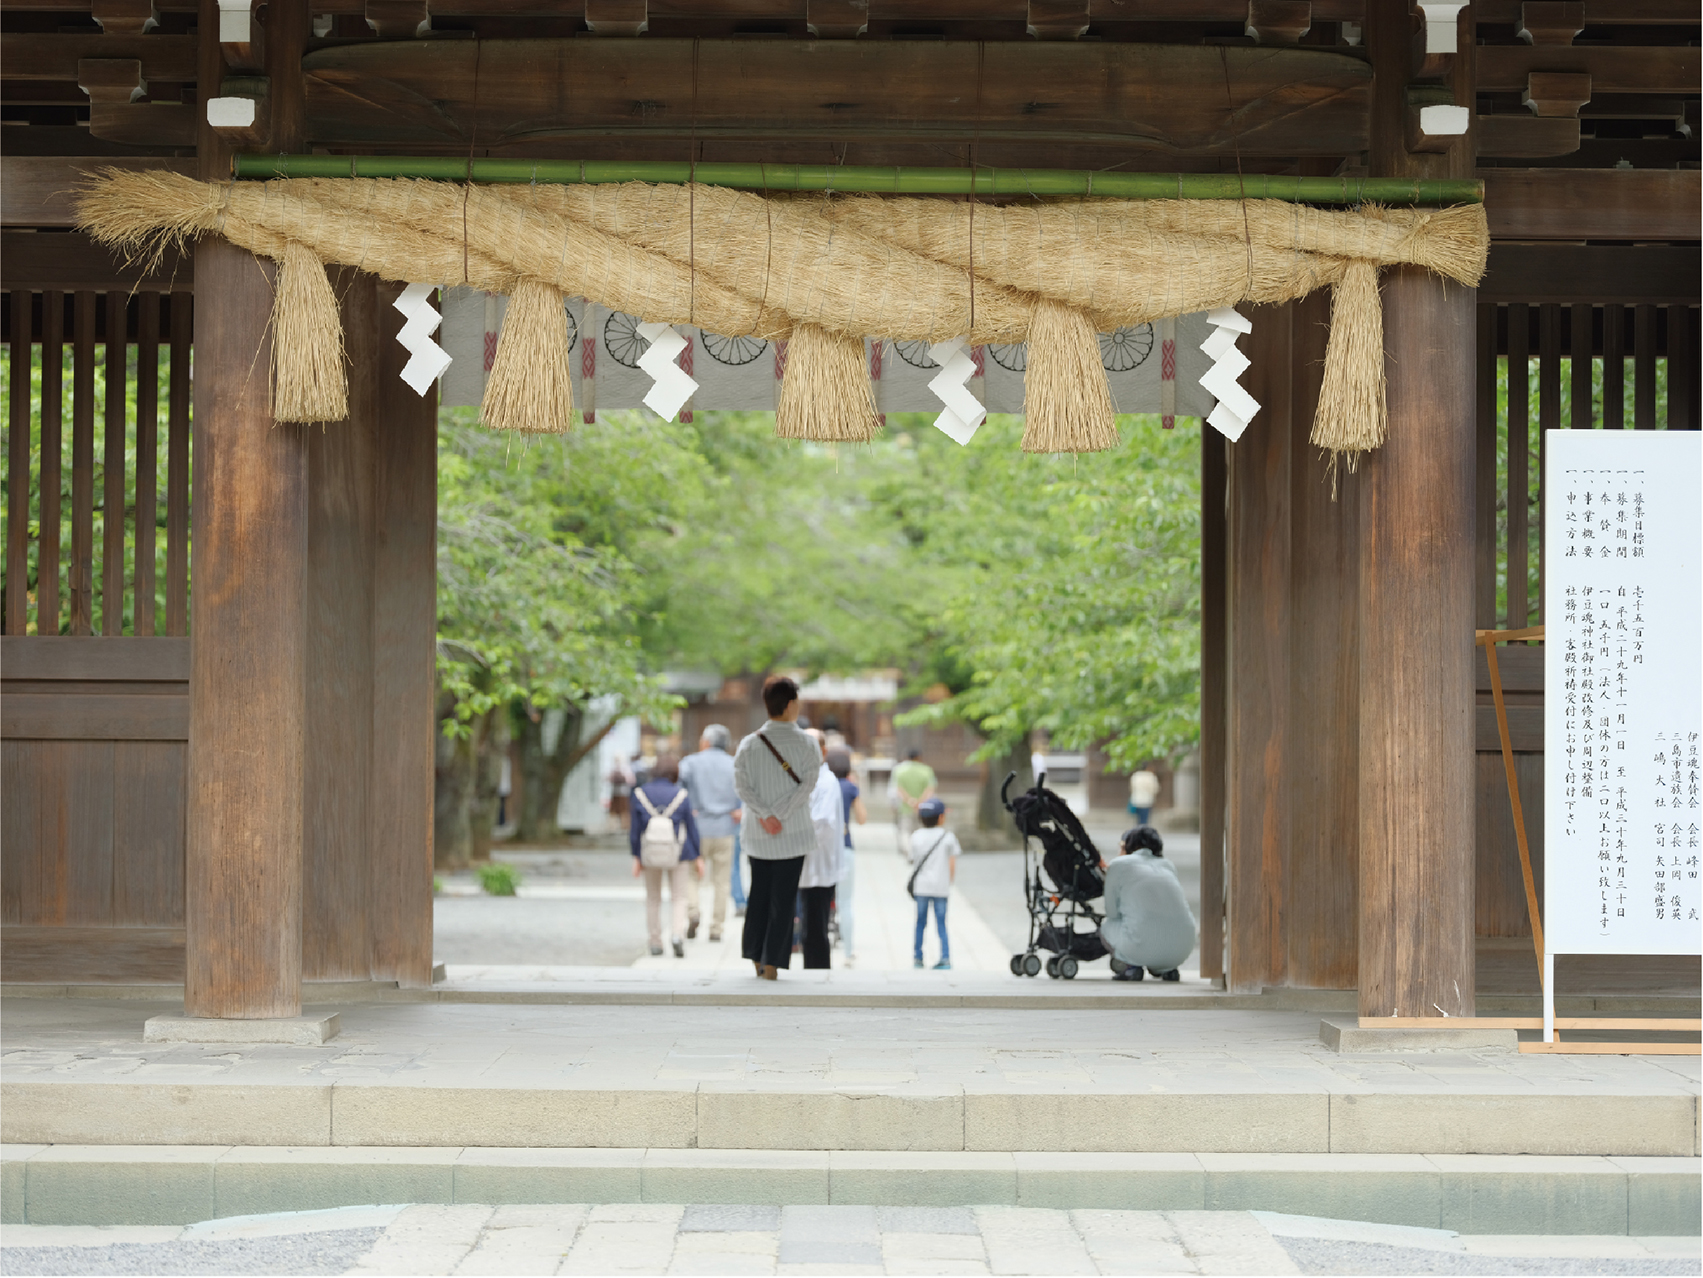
(887,181)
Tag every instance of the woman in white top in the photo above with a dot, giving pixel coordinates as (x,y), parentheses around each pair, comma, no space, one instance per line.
(822,864)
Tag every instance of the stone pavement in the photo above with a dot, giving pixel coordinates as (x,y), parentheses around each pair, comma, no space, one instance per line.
(733,1239)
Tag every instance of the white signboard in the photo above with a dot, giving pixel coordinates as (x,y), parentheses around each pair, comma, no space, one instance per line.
(1623,694)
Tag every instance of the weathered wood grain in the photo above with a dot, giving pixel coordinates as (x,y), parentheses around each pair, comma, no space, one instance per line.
(39,190)
(43,56)
(52,444)
(1518,550)
(1322,890)
(18,468)
(404,676)
(133,660)
(1214,707)
(177,467)
(92,955)
(147,459)
(82,581)
(1668,69)
(247,662)
(46,717)
(149,786)
(1170,98)
(338,731)
(1260,790)
(1485,430)
(115,379)
(71,260)
(1593,204)
(1591,274)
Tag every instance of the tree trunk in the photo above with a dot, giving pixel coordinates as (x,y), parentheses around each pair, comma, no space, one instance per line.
(990,812)
(452,835)
(492,742)
(542,775)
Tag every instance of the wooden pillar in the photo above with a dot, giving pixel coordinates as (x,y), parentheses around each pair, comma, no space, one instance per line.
(404,673)
(1259,790)
(1214,711)
(1323,740)
(339,674)
(243,894)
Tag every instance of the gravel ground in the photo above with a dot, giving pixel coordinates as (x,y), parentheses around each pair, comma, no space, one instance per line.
(331,1251)
(1332,1256)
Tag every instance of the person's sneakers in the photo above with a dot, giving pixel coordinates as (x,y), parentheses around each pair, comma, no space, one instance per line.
(1172,975)
(679,948)
(715,934)
(655,950)
(1131,973)
(739,911)
(917,964)
(850,961)
(692,930)
(945,965)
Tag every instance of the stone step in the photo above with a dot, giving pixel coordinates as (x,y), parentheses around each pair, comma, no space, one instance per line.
(1050,1115)
(1475,1194)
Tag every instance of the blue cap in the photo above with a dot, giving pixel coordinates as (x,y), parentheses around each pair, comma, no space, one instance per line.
(931,808)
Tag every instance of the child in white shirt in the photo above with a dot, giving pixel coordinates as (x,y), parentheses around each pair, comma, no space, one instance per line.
(934,858)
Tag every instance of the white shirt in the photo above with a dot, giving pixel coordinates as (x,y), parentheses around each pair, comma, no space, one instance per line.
(765,790)
(823,866)
(939,847)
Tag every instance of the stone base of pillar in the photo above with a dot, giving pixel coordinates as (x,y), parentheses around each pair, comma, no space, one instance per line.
(298,1031)
(1346,1035)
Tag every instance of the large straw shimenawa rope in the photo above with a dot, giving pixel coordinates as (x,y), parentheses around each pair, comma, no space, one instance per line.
(818,272)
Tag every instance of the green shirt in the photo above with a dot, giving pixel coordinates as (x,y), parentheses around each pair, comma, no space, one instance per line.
(914,777)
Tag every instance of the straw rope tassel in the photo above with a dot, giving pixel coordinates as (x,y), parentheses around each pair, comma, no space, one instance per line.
(825,394)
(1066,398)
(531,384)
(307,342)
(1352,415)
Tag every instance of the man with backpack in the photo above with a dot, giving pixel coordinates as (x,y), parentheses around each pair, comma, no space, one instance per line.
(664,838)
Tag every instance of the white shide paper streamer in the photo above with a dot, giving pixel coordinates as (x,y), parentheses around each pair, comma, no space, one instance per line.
(671,387)
(426,359)
(1236,408)
(963,413)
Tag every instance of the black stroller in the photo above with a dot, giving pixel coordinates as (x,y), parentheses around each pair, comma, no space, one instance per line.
(1072,864)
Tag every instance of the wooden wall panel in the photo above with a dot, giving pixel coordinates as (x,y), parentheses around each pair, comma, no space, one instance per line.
(404,678)
(1323,715)
(339,687)
(92,955)
(1500,896)
(1260,794)
(149,784)
(88,824)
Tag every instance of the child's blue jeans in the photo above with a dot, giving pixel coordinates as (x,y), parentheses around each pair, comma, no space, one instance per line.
(939,903)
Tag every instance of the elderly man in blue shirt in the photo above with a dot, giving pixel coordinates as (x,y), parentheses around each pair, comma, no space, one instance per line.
(708,778)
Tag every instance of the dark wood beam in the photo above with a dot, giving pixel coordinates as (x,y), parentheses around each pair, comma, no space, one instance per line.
(1593,204)
(1504,68)
(34,56)
(1567,273)
(978,11)
(37,190)
(1170,98)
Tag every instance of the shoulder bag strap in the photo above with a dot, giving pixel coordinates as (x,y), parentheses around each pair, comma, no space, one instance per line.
(787,767)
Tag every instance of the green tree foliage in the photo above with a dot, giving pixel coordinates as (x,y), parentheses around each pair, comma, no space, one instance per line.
(1063,593)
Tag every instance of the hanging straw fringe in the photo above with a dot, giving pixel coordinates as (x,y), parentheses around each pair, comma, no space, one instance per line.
(1066,400)
(825,394)
(307,343)
(1352,416)
(531,385)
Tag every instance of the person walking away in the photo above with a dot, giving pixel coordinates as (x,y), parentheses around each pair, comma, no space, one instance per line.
(1143,790)
(774,773)
(912,783)
(853,808)
(818,882)
(664,839)
(708,779)
(620,787)
(934,856)
(1148,920)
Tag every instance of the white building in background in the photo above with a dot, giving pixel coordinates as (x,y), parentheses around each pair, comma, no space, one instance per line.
(583,803)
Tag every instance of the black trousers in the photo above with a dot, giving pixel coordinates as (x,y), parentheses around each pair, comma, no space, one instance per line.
(768,911)
(818,909)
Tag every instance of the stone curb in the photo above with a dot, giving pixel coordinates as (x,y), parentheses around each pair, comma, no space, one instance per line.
(182,1184)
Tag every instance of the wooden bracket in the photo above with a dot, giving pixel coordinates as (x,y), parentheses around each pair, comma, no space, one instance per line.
(1439,36)
(399,19)
(1557,93)
(1279,21)
(109,80)
(1551,21)
(117,112)
(125,17)
(242,39)
(1058,19)
(617,17)
(1526,137)
(241,113)
(836,19)
(1434,121)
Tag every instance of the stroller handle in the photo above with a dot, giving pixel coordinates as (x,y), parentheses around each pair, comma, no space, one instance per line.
(1005,790)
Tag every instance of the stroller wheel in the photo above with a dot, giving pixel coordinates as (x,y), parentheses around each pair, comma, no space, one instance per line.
(1031,965)
(1017,965)
(1052,967)
(1067,967)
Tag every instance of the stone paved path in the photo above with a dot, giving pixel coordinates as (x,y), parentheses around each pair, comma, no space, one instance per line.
(656,1239)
